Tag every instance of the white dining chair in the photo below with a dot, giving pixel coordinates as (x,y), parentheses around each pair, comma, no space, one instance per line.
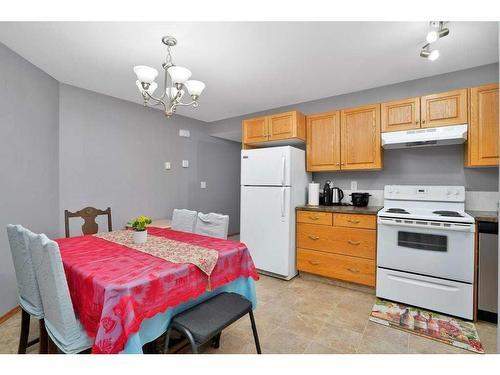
(212,225)
(184,220)
(27,287)
(63,327)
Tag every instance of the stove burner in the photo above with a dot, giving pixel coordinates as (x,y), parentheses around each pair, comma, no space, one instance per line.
(447,213)
(397,211)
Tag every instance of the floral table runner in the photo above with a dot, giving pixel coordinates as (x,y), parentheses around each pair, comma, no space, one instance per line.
(168,249)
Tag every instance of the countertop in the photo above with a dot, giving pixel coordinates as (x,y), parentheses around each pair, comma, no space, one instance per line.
(490,216)
(368,210)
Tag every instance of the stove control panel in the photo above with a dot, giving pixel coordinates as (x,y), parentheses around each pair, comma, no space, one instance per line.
(425,193)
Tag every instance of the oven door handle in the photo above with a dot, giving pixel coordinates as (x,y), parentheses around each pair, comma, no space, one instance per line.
(454,228)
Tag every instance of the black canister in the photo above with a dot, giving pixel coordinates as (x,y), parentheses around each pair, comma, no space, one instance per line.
(327,194)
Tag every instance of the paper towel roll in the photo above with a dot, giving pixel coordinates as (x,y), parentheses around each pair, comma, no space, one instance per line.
(313,194)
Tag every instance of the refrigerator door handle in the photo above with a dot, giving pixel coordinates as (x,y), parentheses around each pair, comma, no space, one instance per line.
(282,203)
(283,171)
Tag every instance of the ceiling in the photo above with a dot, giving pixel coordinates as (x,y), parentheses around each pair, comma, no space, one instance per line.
(248,66)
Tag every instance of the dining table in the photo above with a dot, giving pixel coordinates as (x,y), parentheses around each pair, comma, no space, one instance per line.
(125,295)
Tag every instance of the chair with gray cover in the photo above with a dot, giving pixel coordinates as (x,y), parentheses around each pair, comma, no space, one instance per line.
(183,220)
(27,288)
(64,329)
(212,225)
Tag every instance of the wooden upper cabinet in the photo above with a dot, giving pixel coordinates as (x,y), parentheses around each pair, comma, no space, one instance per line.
(446,108)
(482,143)
(255,130)
(287,125)
(400,115)
(323,142)
(360,138)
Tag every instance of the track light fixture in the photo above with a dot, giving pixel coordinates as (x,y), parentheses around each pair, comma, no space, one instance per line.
(438,31)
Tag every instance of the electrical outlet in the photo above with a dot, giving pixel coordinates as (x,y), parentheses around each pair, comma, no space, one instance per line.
(168,165)
(184,133)
(203,184)
(185,164)
(354,185)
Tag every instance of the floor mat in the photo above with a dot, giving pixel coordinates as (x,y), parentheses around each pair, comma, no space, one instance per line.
(435,326)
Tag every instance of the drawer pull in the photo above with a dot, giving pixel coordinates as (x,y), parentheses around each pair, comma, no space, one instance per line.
(353,221)
(314,238)
(313,262)
(313,217)
(354,242)
(353,270)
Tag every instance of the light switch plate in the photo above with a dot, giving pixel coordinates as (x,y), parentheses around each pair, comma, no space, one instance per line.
(185,164)
(203,184)
(168,165)
(184,133)
(354,185)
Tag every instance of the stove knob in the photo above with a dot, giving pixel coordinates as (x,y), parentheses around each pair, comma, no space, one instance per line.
(448,192)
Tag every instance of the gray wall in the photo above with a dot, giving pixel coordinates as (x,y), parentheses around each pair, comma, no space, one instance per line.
(112,153)
(28,158)
(431,165)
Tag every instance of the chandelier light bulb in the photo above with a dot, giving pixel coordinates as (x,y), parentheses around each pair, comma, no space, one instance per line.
(145,73)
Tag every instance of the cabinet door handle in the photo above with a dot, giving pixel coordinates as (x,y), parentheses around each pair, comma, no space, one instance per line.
(416,122)
(354,242)
(314,238)
(313,262)
(423,121)
(353,221)
(313,217)
(353,270)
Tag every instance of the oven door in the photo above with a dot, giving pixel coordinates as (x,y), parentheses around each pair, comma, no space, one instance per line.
(444,250)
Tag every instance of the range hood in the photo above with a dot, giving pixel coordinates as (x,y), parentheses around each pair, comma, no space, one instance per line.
(442,136)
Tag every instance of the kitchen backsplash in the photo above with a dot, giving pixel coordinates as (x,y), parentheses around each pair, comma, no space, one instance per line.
(474,200)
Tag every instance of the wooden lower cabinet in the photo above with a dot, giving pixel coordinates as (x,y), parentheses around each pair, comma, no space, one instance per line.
(347,241)
(337,245)
(343,267)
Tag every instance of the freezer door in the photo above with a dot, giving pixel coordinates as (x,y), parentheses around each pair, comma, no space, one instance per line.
(266,228)
(266,166)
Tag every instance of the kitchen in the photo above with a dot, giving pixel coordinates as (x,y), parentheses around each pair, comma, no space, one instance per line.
(415,167)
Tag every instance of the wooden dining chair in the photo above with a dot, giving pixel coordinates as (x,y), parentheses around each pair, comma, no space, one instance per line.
(88,214)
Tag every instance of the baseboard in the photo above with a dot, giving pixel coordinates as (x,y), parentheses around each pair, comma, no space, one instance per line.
(9,314)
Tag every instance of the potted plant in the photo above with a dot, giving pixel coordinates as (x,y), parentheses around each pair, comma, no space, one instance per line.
(139,226)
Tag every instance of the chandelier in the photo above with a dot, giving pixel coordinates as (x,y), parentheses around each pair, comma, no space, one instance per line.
(175,84)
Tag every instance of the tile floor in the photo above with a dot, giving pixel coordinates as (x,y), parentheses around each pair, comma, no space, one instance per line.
(307,316)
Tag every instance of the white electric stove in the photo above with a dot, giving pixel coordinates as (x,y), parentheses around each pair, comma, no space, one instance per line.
(425,248)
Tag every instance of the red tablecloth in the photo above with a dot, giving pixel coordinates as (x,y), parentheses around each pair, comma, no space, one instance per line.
(114,288)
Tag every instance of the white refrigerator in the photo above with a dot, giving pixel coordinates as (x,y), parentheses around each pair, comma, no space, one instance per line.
(273,182)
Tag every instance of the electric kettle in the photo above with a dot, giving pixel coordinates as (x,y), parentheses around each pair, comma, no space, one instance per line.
(337,195)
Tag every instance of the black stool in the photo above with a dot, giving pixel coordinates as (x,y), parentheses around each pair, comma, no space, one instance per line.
(205,322)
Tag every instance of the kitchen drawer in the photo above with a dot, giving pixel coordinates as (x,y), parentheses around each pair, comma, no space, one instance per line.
(311,217)
(343,267)
(355,221)
(346,241)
